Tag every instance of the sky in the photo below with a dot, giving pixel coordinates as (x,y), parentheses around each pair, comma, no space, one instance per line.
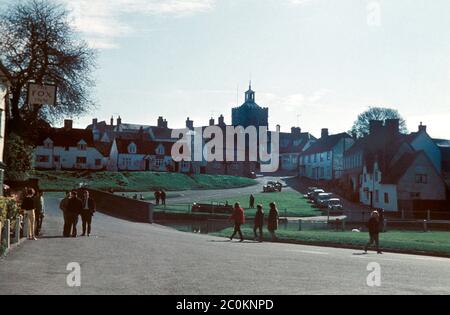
(313,63)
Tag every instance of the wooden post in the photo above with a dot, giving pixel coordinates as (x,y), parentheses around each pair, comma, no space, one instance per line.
(429,215)
(425,226)
(1,232)
(403,214)
(16,239)
(26,223)
(328,215)
(385,225)
(300,224)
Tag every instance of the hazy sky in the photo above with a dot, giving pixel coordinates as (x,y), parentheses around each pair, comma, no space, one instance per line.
(316,62)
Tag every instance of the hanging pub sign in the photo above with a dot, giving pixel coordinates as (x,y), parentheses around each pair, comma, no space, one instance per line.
(41,94)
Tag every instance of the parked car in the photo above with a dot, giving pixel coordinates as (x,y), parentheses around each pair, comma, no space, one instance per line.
(322,200)
(310,191)
(335,206)
(272,187)
(315,193)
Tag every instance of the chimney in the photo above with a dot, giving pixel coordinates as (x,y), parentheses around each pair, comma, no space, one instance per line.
(392,126)
(160,122)
(296,131)
(422,127)
(212,122)
(68,123)
(324,133)
(221,121)
(119,121)
(189,124)
(94,122)
(375,125)
(165,124)
(112,121)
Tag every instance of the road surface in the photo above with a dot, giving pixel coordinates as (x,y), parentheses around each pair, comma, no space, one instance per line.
(132,258)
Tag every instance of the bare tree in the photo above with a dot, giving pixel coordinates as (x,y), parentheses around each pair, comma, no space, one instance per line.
(362,125)
(38,44)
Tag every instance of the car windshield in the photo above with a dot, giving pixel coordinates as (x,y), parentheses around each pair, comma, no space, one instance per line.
(335,202)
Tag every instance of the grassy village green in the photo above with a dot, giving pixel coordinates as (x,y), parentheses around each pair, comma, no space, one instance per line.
(290,203)
(429,242)
(137,181)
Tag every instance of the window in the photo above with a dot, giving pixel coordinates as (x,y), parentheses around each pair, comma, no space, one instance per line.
(377,196)
(421,179)
(321,157)
(329,155)
(82,147)
(329,172)
(42,158)
(315,158)
(132,148)
(365,178)
(309,158)
(158,163)
(160,150)
(185,164)
(386,198)
(81,160)
(322,172)
(98,162)
(56,158)
(376,176)
(48,144)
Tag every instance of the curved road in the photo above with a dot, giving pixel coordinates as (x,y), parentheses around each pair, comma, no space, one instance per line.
(132,258)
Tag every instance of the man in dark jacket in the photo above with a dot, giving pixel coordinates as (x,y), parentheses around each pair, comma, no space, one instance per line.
(238,217)
(87,213)
(374,231)
(63,206)
(259,222)
(157,197)
(252,201)
(163,196)
(74,208)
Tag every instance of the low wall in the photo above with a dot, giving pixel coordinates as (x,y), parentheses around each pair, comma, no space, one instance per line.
(122,207)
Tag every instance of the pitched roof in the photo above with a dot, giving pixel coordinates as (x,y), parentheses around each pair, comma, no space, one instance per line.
(103,147)
(396,172)
(326,144)
(442,142)
(62,137)
(292,143)
(144,147)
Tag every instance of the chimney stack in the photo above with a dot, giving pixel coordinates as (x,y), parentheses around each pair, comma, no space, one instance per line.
(212,122)
(422,127)
(189,124)
(325,133)
(375,126)
(119,121)
(160,122)
(68,124)
(94,122)
(296,131)
(392,126)
(112,121)
(221,121)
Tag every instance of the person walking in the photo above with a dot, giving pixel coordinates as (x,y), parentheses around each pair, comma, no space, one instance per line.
(74,208)
(259,223)
(63,205)
(39,212)
(252,201)
(374,232)
(87,213)
(272,225)
(238,217)
(28,206)
(157,197)
(163,196)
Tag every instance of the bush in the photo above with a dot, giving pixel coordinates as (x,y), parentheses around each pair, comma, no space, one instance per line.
(9,210)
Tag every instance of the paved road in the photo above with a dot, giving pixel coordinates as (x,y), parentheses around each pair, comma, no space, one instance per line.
(132,258)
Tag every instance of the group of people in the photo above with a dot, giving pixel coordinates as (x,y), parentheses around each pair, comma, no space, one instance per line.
(160,197)
(238,217)
(34,210)
(77,204)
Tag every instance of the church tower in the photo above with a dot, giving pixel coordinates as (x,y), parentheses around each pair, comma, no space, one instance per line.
(250,113)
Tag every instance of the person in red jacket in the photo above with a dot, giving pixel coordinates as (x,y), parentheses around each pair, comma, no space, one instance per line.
(238,217)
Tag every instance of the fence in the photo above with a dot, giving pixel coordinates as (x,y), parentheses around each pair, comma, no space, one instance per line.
(130,209)
(11,235)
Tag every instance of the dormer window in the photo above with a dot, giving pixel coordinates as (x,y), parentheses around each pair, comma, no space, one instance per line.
(160,150)
(132,149)
(48,144)
(82,145)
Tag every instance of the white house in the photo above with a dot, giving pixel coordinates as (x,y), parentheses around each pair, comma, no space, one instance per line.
(4,87)
(68,149)
(405,181)
(291,146)
(324,159)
